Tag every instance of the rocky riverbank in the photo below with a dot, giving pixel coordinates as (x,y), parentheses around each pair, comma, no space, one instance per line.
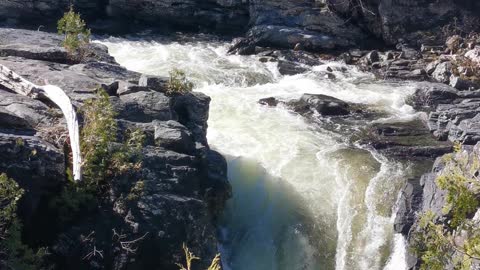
(315,25)
(177,193)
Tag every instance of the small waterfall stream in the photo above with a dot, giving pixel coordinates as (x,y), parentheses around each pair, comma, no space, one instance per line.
(304,197)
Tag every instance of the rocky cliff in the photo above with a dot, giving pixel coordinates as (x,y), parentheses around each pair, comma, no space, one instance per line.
(146,215)
(317,25)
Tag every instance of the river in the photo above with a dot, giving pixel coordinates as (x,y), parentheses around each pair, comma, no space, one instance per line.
(304,196)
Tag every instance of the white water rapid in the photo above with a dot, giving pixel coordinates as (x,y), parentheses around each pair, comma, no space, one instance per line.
(16,83)
(303,196)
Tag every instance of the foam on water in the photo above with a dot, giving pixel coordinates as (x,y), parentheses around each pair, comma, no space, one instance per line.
(304,198)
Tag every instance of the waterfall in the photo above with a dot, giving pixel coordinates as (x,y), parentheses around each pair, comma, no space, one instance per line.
(304,196)
(16,83)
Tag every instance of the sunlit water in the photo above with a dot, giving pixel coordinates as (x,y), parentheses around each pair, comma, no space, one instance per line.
(303,196)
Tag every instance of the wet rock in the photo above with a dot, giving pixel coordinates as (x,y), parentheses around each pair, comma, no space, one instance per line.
(288,37)
(242,46)
(321,104)
(372,57)
(428,95)
(290,68)
(408,204)
(270,101)
(404,140)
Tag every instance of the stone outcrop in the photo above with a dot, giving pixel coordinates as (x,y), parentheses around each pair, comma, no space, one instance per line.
(412,21)
(314,25)
(180,188)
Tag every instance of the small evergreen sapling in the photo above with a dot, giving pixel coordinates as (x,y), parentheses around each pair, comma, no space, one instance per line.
(76,35)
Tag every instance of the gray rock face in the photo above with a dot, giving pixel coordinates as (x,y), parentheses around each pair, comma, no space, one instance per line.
(221,15)
(409,202)
(183,184)
(386,19)
(445,121)
(320,23)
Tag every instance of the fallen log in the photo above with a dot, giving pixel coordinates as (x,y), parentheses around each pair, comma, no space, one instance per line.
(17,84)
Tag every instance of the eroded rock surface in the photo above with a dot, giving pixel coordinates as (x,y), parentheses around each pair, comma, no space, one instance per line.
(183,184)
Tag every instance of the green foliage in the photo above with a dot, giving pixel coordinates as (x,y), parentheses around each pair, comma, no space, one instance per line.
(74,199)
(457,179)
(104,157)
(13,253)
(432,244)
(178,83)
(10,193)
(460,200)
(98,132)
(436,242)
(76,35)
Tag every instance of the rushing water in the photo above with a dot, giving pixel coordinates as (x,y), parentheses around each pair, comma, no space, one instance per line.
(303,196)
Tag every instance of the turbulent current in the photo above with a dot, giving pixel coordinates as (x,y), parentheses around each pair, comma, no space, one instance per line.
(304,196)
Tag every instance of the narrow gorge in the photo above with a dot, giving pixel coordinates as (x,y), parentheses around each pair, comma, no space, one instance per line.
(278,135)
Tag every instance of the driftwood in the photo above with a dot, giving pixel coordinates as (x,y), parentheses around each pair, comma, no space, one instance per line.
(17,84)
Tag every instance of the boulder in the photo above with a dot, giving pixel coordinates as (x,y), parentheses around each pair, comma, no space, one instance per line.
(155,83)
(373,57)
(428,95)
(408,204)
(173,136)
(321,104)
(290,68)
(442,72)
(270,101)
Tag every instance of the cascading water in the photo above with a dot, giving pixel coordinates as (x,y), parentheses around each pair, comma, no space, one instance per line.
(304,197)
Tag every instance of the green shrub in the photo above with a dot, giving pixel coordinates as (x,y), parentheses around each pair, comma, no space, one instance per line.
(434,242)
(178,83)
(104,157)
(13,253)
(99,131)
(76,35)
